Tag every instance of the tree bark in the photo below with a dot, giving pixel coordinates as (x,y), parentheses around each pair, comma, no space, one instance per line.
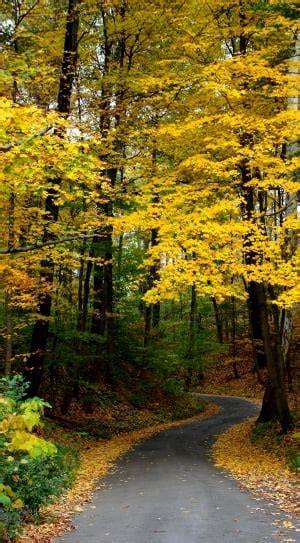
(275,403)
(218,319)
(257,339)
(233,338)
(8,334)
(112,98)
(86,293)
(152,311)
(154,276)
(8,308)
(35,365)
(191,355)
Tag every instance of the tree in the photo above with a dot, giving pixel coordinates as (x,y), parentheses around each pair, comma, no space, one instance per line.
(40,330)
(163,179)
(226,161)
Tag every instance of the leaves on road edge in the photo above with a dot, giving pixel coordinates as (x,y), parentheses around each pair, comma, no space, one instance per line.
(258,470)
(96,460)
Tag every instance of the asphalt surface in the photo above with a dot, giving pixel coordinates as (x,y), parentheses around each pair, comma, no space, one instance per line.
(166,490)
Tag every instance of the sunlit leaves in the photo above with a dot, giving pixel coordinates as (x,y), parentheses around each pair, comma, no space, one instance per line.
(234,110)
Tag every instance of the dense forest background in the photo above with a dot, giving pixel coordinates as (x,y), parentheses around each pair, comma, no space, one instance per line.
(149,162)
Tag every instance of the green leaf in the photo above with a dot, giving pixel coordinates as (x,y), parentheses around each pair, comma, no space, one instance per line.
(4,500)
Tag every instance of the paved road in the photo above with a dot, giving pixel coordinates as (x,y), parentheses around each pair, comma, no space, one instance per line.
(167,491)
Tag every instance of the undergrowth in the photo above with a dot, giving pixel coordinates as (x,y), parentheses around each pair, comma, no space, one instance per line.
(268,436)
(33,470)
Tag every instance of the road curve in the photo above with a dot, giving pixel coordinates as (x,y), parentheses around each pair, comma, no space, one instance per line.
(166,490)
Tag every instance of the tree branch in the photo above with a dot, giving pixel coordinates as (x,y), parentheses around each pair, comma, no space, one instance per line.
(41,245)
(30,9)
(9,146)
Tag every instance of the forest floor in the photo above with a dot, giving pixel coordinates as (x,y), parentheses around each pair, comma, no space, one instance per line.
(219,377)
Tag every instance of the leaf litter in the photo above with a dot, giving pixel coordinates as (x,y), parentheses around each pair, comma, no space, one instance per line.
(264,473)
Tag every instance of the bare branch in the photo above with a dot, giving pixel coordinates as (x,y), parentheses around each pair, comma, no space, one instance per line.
(41,245)
(30,9)
(9,146)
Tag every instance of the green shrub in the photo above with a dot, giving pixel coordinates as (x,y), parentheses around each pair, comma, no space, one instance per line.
(40,480)
(266,433)
(294,453)
(294,460)
(183,407)
(32,470)
(14,387)
(269,437)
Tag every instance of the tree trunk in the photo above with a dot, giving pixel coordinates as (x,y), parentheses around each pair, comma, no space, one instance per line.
(103,320)
(218,319)
(154,276)
(152,311)
(191,355)
(8,308)
(86,293)
(35,365)
(119,263)
(108,299)
(275,403)
(256,332)
(103,316)
(11,226)
(233,338)
(148,325)
(193,321)
(8,334)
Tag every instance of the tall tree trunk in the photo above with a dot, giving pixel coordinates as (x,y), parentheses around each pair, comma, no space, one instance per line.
(103,315)
(148,325)
(256,332)
(72,388)
(119,262)
(154,276)
(11,221)
(8,333)
(233,338)
(8,308)
(218,320)
(152,311)
(86,294)
(275,403)
(114,54)
(80,286)
(191,354)
(35,364)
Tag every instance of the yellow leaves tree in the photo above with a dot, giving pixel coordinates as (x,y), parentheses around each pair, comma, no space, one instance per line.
(226,184)
(180,133)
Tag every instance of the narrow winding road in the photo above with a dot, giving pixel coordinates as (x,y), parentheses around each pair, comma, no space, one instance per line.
(167,491)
